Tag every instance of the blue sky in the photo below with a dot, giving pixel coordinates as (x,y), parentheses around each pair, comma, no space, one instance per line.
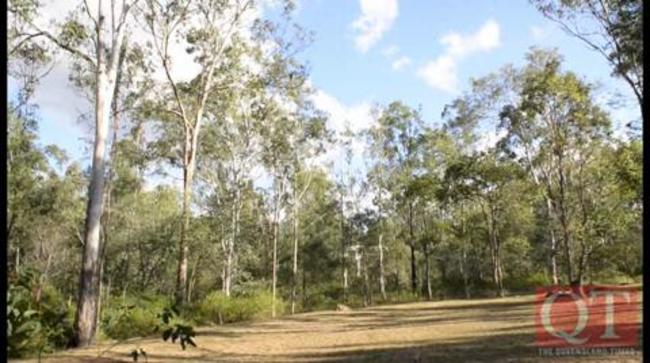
(352,76)
(366,51)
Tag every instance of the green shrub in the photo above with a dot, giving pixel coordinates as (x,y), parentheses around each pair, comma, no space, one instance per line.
(57,317)
(132,317)
(34,327)
(24,330)
(218,308)
(530,282)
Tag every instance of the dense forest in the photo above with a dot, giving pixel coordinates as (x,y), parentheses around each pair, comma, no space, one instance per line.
(260,226)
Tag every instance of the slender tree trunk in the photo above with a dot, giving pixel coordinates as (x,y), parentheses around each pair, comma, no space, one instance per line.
(464,272)
(414,278)
(549,211)
(427,277)
(192,280)
(497,265)
(344,267)
(382,279)
(304,283)
(275,263)
(183,250)
(294,271)
(357,259)
(367,295)
(230,249)
(499,272)
(276,216)
(554,272)
(564,223)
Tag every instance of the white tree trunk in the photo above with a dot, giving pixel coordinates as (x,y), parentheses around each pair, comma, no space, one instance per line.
(382,279)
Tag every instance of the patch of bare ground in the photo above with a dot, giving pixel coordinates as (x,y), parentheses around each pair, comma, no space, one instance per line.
(485,330)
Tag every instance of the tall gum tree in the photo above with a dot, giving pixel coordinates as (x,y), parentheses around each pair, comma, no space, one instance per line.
(94,37)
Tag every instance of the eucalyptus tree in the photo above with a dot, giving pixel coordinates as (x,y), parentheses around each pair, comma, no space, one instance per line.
(559,124)
(612,28)
(211,32)
(95,41)
(225,42)
(378,178)
(401,127)
(423,190)
(307,142)
(486,108)
(347,184)
(231,149)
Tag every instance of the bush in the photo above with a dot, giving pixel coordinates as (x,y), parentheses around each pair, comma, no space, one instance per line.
(36,326)
(57,316)
(24,330)
(324,297)
(132,317)
(219,308)
(530,282)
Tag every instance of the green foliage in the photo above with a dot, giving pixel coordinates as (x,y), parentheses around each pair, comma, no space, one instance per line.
(33,325)
(24,331)
(132,317)
(175,329)
(218,308)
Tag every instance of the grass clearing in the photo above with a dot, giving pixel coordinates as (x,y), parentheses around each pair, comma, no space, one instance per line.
(482,330)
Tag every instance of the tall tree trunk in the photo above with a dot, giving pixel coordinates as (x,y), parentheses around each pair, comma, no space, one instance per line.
(344,267)
(464,272)
(427,277)
(382,279)
(234,235)
(564,223)
(183,250)
(276,216)
(86,315)
(554,272)
(498,277)
(275,264)
(115,111)
(549,216)
(294,271)
(89,281)
(499,272)
(367,296)
(414,277)
(357,259)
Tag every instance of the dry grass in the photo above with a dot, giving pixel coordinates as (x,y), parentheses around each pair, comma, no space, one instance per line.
(486,330)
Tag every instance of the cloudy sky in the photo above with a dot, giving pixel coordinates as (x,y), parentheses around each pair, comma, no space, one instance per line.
(367,51)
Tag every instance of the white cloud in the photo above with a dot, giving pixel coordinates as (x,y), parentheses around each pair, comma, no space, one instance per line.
(390,51)
(401,62)
(377,17)
(485,39)
(355,117)
(441,73)
(538,33)
(358,116)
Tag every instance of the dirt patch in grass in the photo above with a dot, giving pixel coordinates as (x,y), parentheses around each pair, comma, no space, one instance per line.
(486,330)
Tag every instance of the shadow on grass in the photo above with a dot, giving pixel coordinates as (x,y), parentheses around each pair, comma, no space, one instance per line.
(514,342)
